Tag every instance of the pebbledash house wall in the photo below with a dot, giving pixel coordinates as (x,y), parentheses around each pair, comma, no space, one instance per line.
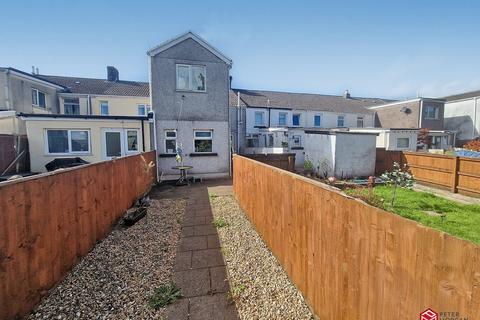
(186,111)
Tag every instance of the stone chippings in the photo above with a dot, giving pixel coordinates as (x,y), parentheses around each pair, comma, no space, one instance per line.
(259,286)
(116,278)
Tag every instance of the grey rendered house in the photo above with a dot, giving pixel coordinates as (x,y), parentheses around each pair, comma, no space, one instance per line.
(189,86)
(416,114)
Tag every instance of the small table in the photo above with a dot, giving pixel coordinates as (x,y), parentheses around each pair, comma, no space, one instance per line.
(183,180)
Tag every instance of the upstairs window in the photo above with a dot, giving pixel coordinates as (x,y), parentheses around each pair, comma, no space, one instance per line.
(143,109)
(71,106)
(431,112)
(104,108)
(259,118)
(296,119)
(60,141)
(39,98)
(341,121)
(317,121)
(191,78)
(359,122)
(282,119)
(203,140)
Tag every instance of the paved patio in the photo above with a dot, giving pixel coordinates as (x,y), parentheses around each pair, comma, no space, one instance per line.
(200,270)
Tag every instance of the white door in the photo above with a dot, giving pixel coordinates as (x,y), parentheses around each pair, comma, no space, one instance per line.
(113,143)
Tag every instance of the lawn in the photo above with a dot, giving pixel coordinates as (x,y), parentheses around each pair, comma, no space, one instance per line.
(457,219)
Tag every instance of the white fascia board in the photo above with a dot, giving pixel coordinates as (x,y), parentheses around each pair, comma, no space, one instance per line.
(189,35)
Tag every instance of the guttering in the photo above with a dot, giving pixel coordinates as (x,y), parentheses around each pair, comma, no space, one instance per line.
(420,116)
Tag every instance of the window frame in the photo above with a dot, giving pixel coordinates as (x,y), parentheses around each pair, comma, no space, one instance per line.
(436,110)
(299,144)
(146,108)
(402,148)
(343,121)
(71,104)
(255,119)
(37,98)
(102,104)
(362,118)
(127,150)
(284,115)
(190,77)
(170,139)
(69,140)
(299,115)
(202,138)
(320,122)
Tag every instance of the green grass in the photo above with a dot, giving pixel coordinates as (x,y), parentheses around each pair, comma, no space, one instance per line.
(164,295)
(457,219)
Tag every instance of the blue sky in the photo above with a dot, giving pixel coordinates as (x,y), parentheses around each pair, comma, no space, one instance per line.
(391,49)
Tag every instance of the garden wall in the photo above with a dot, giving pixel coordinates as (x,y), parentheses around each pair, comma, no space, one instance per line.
(458,174)
(49,221)
(351,260)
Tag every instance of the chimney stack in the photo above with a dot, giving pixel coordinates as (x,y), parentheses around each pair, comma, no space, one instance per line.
(33,69)
(112,74)
(346,94)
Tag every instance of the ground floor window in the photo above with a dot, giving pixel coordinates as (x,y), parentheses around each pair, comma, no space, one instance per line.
(203,140)
(403,143)
(63,141)
(132,140)
(170,141)
(297,141)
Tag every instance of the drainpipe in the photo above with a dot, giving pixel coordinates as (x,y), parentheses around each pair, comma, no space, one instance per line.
(89,105)
(421,114)
(239,121)
(155,141)
(143,135)
(474,118)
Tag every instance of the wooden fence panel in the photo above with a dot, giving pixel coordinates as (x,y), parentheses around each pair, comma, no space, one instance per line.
(48,222)
(351,260)
(455,173)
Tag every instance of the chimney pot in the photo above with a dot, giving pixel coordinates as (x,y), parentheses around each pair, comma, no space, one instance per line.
(112,74)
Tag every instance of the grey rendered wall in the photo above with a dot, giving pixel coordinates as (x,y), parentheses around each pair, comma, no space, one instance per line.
(204,166)
(21,95)
(3,84)
(460,117)
(355,155)
(166,100)
(433,124)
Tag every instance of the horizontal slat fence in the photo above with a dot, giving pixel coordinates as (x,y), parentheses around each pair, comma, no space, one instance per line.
(458,174)
(48,222)
(351,260)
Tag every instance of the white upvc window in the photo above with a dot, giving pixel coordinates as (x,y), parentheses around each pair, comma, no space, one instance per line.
(132,137)
(143,109)
(317,120)
(432,112)
(297,141)
(341,121)
(296,119)
(203,140)
(170,141)
(104,110)
(403,143)
(71,106)
(39,98)
(360,122)
(191,77)
(282,119)
(65,141)
(259,118)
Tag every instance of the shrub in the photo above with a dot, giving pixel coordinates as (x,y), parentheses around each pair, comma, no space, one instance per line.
(308,165)
(164,295)
(473,145)
(398,177)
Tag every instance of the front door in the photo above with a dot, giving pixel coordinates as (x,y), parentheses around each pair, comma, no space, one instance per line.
(113,145)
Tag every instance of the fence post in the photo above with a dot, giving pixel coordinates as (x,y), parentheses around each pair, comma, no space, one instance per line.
(455,174)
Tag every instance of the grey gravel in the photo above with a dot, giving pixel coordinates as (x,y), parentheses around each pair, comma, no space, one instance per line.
(260,287)
(116,278)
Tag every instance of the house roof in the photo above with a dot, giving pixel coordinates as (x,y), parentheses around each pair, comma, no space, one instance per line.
(100,86)
(461,96)
(306,101)
(189,35)
(34,77)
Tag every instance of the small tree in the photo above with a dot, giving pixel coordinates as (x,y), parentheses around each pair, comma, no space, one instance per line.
(473,145)
(398,177)
(423,140)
